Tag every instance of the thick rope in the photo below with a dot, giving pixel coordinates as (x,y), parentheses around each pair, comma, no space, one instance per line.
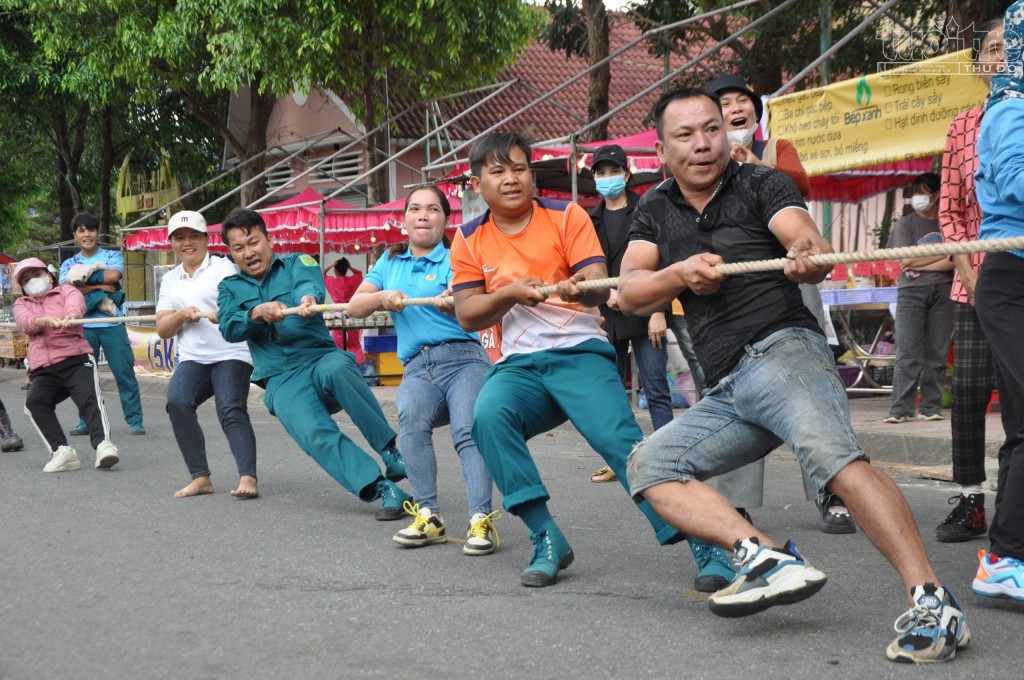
(928,250)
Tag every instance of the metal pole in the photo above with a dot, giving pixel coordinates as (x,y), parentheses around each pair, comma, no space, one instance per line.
(326,159)
(573,169)
(826,45)
(275,165)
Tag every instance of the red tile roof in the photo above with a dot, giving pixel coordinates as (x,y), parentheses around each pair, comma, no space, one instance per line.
(539,70)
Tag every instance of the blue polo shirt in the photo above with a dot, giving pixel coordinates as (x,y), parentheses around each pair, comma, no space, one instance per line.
(426,276)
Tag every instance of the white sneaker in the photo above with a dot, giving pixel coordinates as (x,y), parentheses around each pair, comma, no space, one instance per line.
(482,538)
(64,459)
(766,577)
(106,455)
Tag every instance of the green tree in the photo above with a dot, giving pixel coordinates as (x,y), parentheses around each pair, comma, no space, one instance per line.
(784,45)
(366,51)
(583,31)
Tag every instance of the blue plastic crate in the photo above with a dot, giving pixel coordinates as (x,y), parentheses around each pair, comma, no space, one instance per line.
(887,294)
(380,343)
(854,296)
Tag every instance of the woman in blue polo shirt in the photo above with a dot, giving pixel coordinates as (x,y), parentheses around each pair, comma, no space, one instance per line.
(444,370)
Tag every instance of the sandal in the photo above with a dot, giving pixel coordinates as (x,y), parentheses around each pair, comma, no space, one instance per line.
(603,474)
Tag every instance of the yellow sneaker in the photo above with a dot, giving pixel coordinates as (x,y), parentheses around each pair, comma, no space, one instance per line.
(426,528)
(482,538)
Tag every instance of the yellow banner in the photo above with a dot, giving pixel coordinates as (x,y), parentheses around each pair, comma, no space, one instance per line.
(895,115)
(153,354)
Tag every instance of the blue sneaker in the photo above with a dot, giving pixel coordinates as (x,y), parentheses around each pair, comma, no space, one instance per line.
(394,501)
(551,553)
(997,577)
(394,464)
(136,428)
(714,568)
(932,630)
(79,429)
(767,576)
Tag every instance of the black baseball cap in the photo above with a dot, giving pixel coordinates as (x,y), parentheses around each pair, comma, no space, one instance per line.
(726,83)
(610,153)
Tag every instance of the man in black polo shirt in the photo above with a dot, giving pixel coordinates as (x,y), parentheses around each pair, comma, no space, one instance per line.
(771,377)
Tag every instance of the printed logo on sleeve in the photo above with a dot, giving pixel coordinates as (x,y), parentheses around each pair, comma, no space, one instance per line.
(307,260)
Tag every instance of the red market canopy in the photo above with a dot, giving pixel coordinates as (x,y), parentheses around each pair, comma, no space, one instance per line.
(294,225)
(853,186)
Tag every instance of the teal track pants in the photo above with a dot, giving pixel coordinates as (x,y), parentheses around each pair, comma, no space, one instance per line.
(528,394)
(304,399)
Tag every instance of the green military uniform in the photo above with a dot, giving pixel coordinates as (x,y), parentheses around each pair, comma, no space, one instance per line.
(307,378)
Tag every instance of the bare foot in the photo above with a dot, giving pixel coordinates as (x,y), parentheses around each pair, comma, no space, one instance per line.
(198,487)
(247,488)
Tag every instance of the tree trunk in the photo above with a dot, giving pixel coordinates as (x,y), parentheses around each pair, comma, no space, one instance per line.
(106,167)
(600,78)
(965,17)
(377,150)
(260,107)
(68,139)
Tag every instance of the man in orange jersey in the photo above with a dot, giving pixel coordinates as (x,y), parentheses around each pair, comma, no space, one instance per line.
(557,363)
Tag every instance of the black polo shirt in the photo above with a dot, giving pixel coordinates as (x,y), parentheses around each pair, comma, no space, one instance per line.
(734,224)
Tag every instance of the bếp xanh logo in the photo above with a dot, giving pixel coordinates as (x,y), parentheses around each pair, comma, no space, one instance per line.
(863,92)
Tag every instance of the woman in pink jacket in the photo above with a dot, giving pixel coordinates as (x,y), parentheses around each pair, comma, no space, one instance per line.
(62,366)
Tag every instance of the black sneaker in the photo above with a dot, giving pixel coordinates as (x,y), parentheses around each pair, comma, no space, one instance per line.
(967,520)
(835,518)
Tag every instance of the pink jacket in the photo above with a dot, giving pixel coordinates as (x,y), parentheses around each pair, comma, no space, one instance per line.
(48,346)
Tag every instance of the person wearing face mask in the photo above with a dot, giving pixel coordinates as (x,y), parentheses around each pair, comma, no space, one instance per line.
(924,312)
(742,109)
(62,366)
(646,334)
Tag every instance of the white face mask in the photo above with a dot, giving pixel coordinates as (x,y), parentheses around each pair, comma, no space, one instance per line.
(40,285)
(920,203)
(742,137)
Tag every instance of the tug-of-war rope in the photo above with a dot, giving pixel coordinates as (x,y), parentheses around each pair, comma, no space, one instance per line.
(727,268)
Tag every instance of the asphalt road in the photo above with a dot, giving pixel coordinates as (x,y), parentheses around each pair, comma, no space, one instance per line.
(105,574)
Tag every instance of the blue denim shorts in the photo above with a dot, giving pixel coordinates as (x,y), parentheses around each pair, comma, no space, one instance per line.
(785,388)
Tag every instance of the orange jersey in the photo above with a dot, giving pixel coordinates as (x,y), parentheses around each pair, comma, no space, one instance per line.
(559,241)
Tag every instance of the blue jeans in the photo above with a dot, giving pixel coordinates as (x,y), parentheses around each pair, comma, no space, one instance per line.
(440,387)
(191,385)
(924,324)
(784,389)
(118,353)
(650,364)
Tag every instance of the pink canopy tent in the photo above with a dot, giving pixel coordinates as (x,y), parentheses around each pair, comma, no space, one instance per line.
(295,224)
(367,227)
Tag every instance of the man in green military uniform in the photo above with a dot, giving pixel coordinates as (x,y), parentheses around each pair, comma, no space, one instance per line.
(306,377)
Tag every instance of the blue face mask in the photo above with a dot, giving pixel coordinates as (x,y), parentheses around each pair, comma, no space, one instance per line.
(611,187)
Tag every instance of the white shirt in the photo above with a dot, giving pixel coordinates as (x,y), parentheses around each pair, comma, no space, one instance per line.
(201,341)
